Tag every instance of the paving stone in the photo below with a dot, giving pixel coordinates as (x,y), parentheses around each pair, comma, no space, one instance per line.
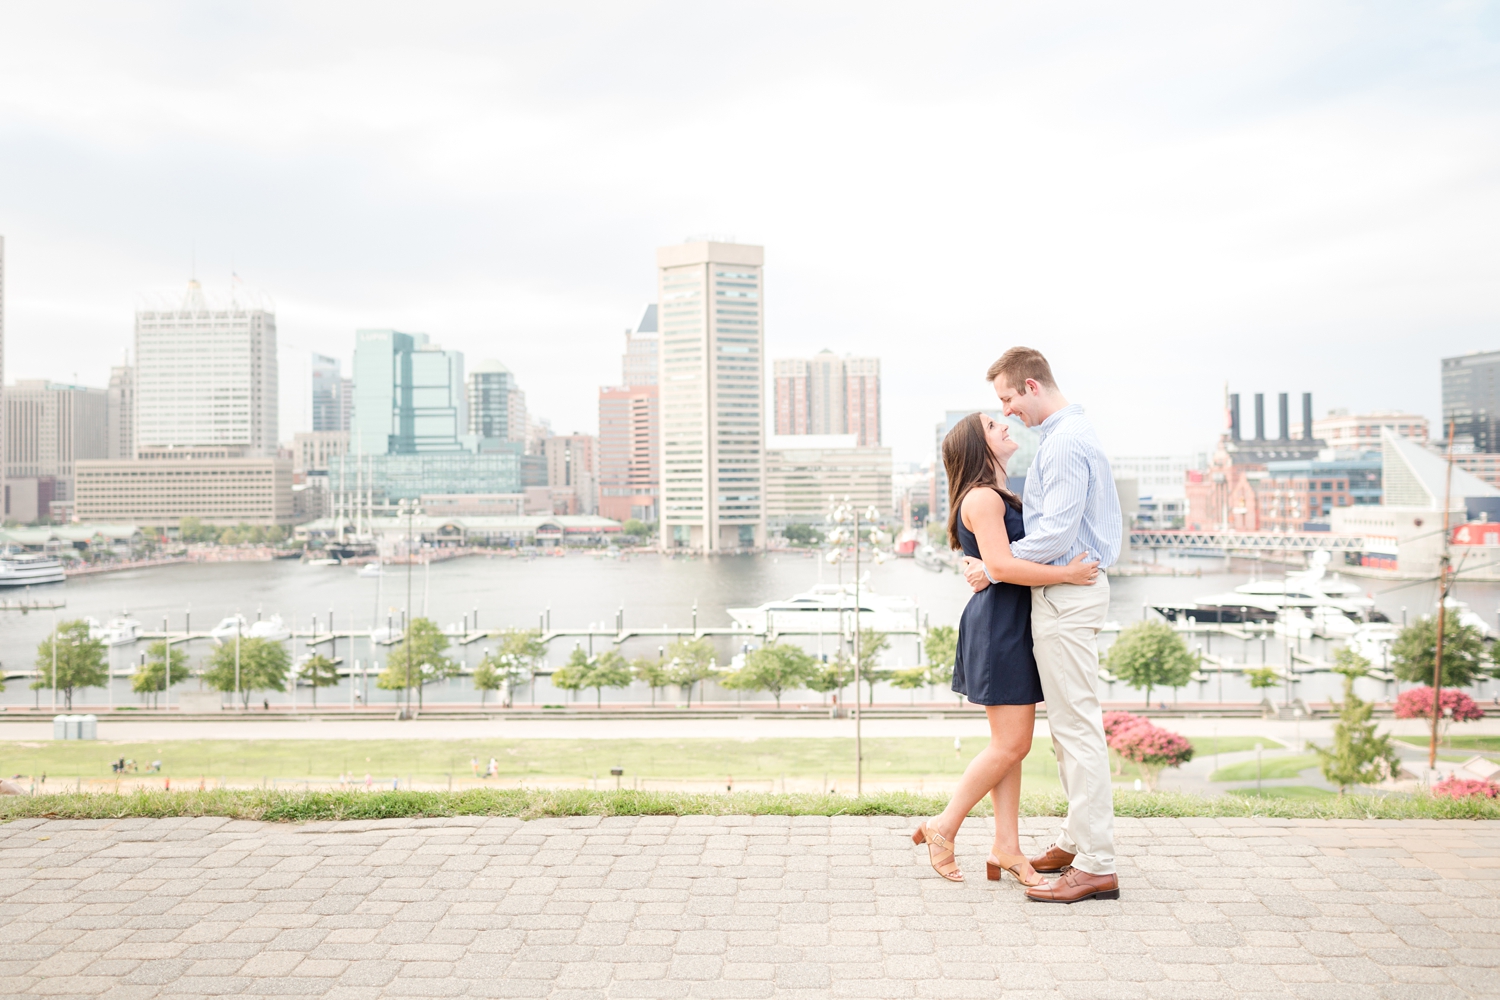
(735,906)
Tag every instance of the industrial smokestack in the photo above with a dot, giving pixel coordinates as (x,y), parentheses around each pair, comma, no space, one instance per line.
(1281,412)
(1234,416)
(1307,431)
(1260,416)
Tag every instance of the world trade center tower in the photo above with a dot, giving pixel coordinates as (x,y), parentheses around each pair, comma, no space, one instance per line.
(710,299)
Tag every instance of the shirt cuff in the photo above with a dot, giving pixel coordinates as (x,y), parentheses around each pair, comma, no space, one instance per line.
(987,573)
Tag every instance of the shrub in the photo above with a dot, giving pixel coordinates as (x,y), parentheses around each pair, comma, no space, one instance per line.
(1462,788)
(1116,721)
(1151,748)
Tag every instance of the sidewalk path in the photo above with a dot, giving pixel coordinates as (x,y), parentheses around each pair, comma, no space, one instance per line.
(736,907)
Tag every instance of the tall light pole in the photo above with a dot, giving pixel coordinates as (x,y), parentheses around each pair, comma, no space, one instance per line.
(236,656)
(409,509)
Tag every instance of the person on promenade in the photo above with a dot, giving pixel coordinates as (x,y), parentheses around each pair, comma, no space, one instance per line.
(993,664)
(1070,508)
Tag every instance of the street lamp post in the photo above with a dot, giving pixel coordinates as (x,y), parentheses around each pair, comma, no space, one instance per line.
(409,509)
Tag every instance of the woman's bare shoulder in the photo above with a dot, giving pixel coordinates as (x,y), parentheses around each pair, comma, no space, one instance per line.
(982,500)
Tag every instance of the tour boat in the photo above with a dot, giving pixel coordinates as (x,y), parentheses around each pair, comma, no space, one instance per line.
(829,607)
(24,570)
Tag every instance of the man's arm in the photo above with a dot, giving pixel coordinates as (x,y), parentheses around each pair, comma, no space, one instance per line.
(1065,484)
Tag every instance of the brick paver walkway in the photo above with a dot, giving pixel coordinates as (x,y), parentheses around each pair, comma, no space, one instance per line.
(736,907)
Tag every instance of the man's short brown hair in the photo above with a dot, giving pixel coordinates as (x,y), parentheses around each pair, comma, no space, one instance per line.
(1019,364)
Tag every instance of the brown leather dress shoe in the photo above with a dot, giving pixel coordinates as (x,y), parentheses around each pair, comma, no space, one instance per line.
(1075,885)
(1053,859)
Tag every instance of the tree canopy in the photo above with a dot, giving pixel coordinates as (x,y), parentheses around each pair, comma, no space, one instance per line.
(1357,755)
(608,669)
(1151,655)
(318,671)
(263,667)
(1415,649)
(151,677)
(690,661)
(80,660)
(778,667)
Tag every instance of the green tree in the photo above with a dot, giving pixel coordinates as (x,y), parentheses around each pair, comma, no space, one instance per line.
(318,671)
(521,651)
(911,678)
(637,528)
(608,669)
(802,534)
(1415,649)
(777,668)
(191,529)
(1261,678)
(80,660)
(833,675)
(417,660)
(940,643)
(151,677)
(488,676)
(263,667)
(652,672)
(690,661)
(1358,755)
(871,645)
(574,675)
(1150,655)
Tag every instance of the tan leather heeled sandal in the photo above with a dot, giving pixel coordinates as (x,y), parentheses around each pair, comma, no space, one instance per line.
(1012,863)
(939,852)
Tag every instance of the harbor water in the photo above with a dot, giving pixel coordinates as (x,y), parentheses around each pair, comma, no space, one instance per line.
(581,590)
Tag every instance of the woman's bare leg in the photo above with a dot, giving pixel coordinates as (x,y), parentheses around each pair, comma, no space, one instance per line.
(1010,742)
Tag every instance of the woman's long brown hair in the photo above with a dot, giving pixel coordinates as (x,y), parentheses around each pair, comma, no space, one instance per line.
(969,463)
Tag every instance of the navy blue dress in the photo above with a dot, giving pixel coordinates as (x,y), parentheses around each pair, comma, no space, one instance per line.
(994,664)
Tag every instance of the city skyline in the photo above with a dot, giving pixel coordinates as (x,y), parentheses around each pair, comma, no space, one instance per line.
(1152,200)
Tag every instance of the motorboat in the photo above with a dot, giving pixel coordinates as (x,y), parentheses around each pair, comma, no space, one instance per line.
(229,627)
(321,561)
(928,557)
(272,628)
(1373,642)
(372,569)
(1312,592)
(118,631)
(1470,618)
(25,569)
(385,636)
(829,607)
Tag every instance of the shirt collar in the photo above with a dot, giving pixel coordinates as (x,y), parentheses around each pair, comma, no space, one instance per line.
(1050,424)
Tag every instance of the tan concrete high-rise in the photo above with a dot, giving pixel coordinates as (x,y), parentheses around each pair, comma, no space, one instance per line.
(712,336)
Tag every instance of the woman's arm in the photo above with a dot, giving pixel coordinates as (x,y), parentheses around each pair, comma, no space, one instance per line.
(983,512)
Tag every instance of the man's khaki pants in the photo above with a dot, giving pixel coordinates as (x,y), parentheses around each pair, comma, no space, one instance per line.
(1065,623)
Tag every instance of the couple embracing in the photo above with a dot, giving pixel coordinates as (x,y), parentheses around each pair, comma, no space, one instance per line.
(1028,632)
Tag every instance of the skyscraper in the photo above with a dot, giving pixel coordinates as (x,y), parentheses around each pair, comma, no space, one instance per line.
(121,419)
(4,490)
(328,407)
(409,395)
(491,416)
(709,295)
(827,394)
(206,373)
(629,461)
(1471,400)
(50,426)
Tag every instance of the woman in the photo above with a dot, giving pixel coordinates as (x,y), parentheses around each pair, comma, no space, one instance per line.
(994,666)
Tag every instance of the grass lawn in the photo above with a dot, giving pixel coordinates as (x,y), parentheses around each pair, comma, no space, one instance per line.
(1455,742)
(542,760)
(1288,766)
(242,762)
(282,806)
(1299,792)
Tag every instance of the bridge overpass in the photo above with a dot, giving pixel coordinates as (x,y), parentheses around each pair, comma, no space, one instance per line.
(1247,541)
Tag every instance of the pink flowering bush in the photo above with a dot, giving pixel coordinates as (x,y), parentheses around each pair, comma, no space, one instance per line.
(1462,788)
(1115,721)
(1150,748)
(1454,706)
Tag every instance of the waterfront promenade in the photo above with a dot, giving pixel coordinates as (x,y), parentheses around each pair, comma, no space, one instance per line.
(736,907)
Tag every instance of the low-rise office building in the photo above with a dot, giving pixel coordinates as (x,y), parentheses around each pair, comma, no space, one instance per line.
(217,485)
(806,473)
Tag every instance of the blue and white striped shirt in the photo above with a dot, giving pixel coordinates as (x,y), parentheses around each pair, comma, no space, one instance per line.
(1070,504)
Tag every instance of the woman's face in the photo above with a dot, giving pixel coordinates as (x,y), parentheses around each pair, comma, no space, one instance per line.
(997,436)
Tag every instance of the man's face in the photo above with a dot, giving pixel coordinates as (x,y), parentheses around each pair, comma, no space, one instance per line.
(1017,405)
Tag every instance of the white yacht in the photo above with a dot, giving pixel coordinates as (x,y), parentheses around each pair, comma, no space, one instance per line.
(829,607)
(372,569)
(24,569)
(1312,592)
(272,628)
(229,627)
(118,631)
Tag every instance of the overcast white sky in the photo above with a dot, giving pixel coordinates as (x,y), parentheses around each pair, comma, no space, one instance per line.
(1284,196)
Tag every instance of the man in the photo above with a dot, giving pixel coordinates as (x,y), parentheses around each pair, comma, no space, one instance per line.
(1070,507)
